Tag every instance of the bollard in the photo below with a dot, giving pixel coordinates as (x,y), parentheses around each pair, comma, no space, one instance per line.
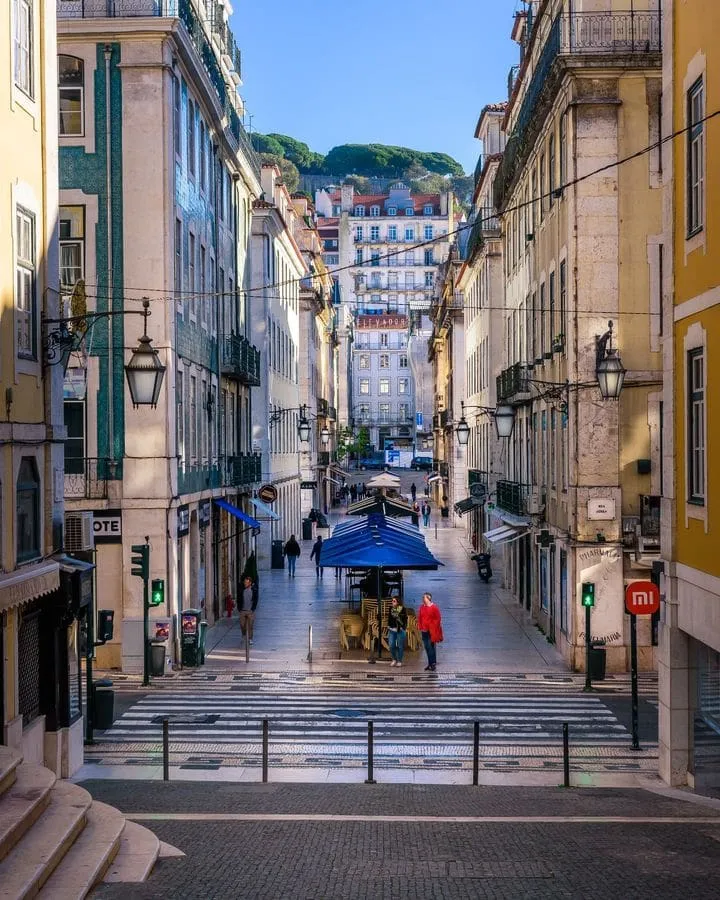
(370,779)
(476,752)
(566,756)
(309,656)
(436,531)
(265,735)
(166,749)
(247,647)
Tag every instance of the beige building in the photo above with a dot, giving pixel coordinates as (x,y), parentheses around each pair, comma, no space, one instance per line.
(581,229)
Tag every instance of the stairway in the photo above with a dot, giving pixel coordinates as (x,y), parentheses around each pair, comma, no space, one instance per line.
(57,843)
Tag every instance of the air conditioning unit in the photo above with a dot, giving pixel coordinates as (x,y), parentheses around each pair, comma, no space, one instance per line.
(79,534)
(534,505)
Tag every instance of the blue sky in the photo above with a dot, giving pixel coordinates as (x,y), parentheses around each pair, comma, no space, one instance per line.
(387,71)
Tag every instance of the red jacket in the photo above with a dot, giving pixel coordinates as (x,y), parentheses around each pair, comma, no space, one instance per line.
(428,618)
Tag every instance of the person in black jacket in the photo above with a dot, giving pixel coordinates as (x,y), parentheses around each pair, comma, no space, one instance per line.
(317,547)
(397,630)
(247,604)
(291,551)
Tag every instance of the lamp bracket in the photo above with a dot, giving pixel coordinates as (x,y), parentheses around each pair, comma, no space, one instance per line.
(603,343)
(71,331)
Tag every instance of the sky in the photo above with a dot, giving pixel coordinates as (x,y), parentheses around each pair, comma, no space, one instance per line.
(415,73)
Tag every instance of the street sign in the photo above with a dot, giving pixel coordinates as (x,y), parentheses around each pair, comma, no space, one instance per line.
(267,493)
(642,598)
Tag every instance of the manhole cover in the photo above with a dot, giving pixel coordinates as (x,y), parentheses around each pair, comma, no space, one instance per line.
(349,713)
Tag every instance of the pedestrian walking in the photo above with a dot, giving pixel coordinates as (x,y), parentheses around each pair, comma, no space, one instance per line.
(430,625)
(291,551)
(250,570)
(353,493)
(397,630)
(413,491)
(426,513)
(247,602)
(317,547)
(363,491)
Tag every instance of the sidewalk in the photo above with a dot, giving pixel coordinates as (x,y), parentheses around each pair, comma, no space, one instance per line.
(485,629)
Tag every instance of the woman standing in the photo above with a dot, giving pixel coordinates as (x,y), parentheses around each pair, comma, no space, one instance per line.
(430,625)
(291,551)
(397,630)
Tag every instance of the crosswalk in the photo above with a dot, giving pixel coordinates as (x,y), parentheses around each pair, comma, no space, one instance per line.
(331,719)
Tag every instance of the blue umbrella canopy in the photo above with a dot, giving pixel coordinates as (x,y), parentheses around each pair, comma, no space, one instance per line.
(377,541)
(394,507)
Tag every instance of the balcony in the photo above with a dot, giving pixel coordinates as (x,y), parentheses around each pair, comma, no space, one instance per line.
(245,468)
(192,479)
(323,458)
(322,407)
(86,478)
(512,497)
(241,360)
(332,413)
(512,381)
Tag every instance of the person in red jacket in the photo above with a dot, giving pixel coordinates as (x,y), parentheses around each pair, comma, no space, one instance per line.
(430,625)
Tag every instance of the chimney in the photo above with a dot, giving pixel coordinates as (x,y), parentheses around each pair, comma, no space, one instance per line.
(347,193)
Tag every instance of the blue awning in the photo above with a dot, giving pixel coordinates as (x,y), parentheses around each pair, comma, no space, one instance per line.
(377,541)
(238,513)
(264,508)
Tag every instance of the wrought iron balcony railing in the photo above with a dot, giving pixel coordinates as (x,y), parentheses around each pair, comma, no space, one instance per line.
(86,478)
(241,360)
(512,381)
(244,468)
(512,497)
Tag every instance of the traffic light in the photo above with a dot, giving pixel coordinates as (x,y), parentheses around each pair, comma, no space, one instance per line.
(140,561)
(588,593)
(157,595)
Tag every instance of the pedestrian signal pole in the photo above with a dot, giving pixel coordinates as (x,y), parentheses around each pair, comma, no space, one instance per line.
(140,568)
(588,601)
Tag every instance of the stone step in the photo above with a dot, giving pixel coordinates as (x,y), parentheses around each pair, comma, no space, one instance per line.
(139,850)
(9,761)
(22,803)
(32,861)
(87,860)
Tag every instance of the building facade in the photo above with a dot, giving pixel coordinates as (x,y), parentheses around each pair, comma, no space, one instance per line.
(157,181)
(689,657)
(581,227)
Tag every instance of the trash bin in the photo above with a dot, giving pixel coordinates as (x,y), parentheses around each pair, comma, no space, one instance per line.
(157,658)
(597,662)
(190,640)
(103,706)
(307,530)
(277,558)
(445,512)
(203,632)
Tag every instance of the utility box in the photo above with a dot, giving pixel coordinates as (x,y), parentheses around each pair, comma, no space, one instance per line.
(307,534)
(190,637)
(277,558)
(598,656)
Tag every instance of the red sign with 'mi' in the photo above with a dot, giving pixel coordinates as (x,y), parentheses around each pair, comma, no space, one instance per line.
(642,598)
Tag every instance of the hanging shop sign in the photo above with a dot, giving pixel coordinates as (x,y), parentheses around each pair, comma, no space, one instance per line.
(267,493)
(204,514)
(107,526)
(183,520)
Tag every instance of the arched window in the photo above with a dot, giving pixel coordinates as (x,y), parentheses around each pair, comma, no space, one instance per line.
(28,511)
(71,83)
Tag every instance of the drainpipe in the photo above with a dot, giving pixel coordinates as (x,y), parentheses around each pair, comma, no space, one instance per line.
(108,178)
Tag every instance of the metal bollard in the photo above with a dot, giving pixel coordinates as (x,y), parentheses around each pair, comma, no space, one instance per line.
(309,656)
(436,531)
(265,741)
(166,749)
(566,756)
(247,647)
(370,779)
(476,752)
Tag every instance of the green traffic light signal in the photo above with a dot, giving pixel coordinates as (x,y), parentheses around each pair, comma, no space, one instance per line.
(157,595)
(140,561)
(588,593)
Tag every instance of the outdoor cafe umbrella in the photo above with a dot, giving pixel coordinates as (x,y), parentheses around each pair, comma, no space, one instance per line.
(384,480)
(379,543)
(393,507)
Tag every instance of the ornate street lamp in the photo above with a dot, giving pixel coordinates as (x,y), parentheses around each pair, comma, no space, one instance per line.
(504,420)
(303,426)
(608,366)
(145,372)
(325,435)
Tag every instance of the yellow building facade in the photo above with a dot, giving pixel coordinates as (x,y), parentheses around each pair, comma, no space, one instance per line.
(689,662)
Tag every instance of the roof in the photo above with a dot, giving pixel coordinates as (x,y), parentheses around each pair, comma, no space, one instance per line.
(393,507)
(376,541)
(419,201)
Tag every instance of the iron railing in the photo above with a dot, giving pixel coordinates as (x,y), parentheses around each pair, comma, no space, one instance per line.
(244,468)
(241,360)
(512,381)
(322,406)
(512,496)
(86,477)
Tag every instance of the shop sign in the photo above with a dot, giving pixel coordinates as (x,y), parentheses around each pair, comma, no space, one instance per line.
(107,526)
(601,509)
(267,493)
(204,513)
(183,520)
(308,485)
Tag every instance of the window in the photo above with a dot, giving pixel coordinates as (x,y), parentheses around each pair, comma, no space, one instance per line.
(384,339)
(374,232)
(374,210)
(178,260)
(74,411)
(360,211)
(428,234)
(403,361)
(392,210)
(177,117)
(25,305)
(428,258)
(364,385)
(429,279)
(191,137)
(204,299)
(71,78)
(28,510)
(384,410)
(563,299)
(409,234)
(358,257)
(358,233)
(384,360)
(409,211)
(696,158)
(696,426)
(192,424)
(191,268)
(533,205)
(203,157)
(180,406)
(551,169)
(427,209)
(409,279)
(375,259)
(551,302)
(543,198)
(563,150)
(384,385)
(543,323)
(364,361)
(23,45)
(392,233)
(403,385)
(72,233)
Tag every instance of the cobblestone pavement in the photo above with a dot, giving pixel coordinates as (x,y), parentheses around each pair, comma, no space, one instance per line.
(305,842)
